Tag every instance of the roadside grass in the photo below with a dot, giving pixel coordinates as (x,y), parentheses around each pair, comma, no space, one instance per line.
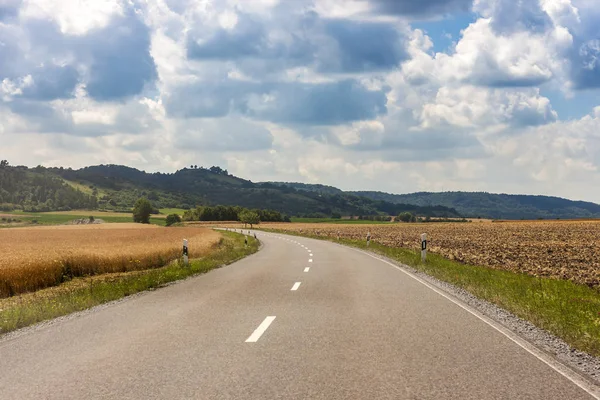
(568,310)
(337,221)
(82,293)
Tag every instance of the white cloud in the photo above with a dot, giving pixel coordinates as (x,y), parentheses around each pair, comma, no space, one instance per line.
(75,17)
(10,88)
(474,118)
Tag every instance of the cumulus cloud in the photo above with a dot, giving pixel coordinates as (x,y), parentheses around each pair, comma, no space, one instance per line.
(470,106)
(406,8)
(364,46)
(120,61)
(342,92)
(51,82)
(510,16)
(9,8)
(234,134)
(282,102)
(320,104)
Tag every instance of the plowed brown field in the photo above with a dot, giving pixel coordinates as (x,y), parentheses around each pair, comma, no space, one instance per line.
(39,257)
(558,249)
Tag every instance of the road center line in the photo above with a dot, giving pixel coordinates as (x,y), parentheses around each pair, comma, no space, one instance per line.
(306,269)
(311,254)
(310,260)
(296,285)
(260,330)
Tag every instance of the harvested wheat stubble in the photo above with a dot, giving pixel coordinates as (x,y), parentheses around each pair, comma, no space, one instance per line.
(558,249)
(35,258)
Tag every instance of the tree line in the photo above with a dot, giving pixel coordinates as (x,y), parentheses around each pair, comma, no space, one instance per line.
(232,213)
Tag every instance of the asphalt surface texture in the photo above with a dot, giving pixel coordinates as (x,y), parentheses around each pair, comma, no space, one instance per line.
(277,325)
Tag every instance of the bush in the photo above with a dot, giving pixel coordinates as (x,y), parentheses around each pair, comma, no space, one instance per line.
(173,219)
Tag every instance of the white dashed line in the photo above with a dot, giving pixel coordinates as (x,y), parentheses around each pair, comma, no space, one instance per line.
(310,260)
(311,254)
(260,330)
(296,286)
(306,269)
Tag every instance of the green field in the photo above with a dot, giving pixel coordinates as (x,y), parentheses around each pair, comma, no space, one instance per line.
(336,221)
(58,219)
(167,211)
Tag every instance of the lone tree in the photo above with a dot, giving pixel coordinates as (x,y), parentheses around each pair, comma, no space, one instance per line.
(406,217)
(173,219)
(142,210)
(249,217)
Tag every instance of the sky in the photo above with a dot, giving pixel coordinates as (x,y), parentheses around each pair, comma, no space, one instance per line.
(400,96)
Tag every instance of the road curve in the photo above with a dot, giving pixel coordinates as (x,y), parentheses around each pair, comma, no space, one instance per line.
(301,319)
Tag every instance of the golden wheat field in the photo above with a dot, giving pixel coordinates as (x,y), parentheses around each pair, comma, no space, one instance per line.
(557,249)
(38,257)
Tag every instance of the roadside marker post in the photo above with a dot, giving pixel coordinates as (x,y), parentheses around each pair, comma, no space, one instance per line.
(423,247)
(368,239)
(185,252)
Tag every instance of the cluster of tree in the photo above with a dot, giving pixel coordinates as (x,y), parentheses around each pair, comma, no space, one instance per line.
(213,169)
(409,217)
(375,217)
(406,217)
(39,190)
(231,213)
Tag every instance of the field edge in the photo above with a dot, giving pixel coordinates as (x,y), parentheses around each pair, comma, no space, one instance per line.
(48,304)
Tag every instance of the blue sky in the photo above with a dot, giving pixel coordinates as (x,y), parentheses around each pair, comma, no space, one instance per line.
(391,95)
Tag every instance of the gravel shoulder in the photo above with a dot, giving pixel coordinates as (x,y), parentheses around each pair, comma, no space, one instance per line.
(581,362)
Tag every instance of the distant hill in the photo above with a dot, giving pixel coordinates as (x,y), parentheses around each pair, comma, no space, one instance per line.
(117,187)
(500,206)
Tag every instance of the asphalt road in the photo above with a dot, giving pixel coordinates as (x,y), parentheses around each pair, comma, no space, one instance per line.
(353,327)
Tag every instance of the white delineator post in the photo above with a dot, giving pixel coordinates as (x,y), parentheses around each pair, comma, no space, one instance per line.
(423,247)
(185,251)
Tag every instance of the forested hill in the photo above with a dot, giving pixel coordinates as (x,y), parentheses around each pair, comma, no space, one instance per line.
(35,188)
(116,187)
(489,205)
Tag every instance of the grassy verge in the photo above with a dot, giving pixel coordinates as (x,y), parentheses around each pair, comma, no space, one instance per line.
(82,293)
(563,308)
